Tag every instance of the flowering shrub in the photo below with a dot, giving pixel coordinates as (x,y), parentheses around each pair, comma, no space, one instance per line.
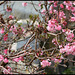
(57,17)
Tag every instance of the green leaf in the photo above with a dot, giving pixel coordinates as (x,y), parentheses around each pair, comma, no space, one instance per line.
(58,41)
(48,35)
(19,24)
(41,6)
(30,16)
(65,40)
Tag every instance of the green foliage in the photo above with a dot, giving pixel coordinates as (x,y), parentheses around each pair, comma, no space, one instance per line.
(19,24)
(41,6)
(30,16)
(69,71)
(48,35)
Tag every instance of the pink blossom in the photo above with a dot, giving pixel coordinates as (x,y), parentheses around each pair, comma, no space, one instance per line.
(13,29)
(63,30)
(5,51)
(62,15)
(69,3)
(43,12)
(73,43)
(61,5)
(11,17)
(9,9)
(64,23)
(38,25)
(50,12)
(72,19)
(62,50)
(5,37)
(21,58)
(39,5)
(69,39)
(55,11)
(55,3)
(68,7)
(69,35)
(60,46)
(51,7)
(1,58)
(41,53)
(2,31)
(57,60)
(24,4)
(65,3)
(45,63)
(53,25)
(52,59)
(55,41)
(73,13)
(50,28)
(5,71)
(73,53)
(72,9)
(74,3)
(58,27)
(16,59)
(5,60)
(9,68)
(68,49)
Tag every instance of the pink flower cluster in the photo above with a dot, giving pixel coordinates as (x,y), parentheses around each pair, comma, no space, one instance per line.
(69,35)
(57,60)
(17,59)
(50,9)
(45,63)
(24,4)
(68,49)
(16,30)
(9,9)
(69,6)
(13,29)
(55,41)
(5,37)
(43,11)
(39,4)
(8,69)
(5,51)
(53,25)
(72,19)
(11,17)
(61,15)
(61,5)
(1,58)
(5,60)
(55,3)
(2,31)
